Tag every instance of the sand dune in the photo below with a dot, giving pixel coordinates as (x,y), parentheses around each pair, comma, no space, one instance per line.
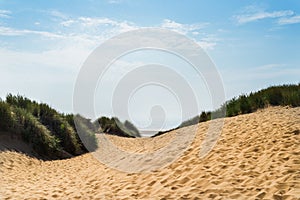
(256,157)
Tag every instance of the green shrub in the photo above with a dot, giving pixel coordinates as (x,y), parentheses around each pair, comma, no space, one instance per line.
(61,129)
(22,102)
(53,121)
(205,116)
(244,105)
(232,108)
(115,127)
(36,134)
(285,95)
(6,120)
(275,97)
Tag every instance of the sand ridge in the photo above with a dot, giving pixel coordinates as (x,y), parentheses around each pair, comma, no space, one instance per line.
(256,157)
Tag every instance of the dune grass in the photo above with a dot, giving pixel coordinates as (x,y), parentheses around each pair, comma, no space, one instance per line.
(283,95)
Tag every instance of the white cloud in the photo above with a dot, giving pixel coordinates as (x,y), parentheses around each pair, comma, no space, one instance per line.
(207,45)
(206,42)
(89,24)
(260,15)
(70,47)
(58,14)
(67,23)
(115,1)
(289,20)
(182,28)
(5,13)
(61,39)
(95,25)
(107,27)
(88,21)
(79,36)
(7,31)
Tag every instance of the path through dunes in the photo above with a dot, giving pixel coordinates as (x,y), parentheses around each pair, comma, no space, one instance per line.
(256,157)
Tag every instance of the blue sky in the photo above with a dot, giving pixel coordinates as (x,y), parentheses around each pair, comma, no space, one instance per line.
(43,44)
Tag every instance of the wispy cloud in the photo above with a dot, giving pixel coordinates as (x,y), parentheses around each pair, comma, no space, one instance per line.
(255,15)
(92,23)
(95,25)
(115,1)
(78,36)
(7,31)
(58,14)
(67,23)
(110,27)
(207,42)
(183,28)
(289,20)
(5,13)
(252,13)
(87,30)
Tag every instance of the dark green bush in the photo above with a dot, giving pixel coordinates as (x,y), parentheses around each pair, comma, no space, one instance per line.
(54,134)
(232,108)
(6,120)
(22,102)
(35,133)
(57,124)
(245,106)
(60,128)
(285,95)
(115,127)
(275,97)
(205,116)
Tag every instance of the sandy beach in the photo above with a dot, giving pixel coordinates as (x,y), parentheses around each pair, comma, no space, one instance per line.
(256,157)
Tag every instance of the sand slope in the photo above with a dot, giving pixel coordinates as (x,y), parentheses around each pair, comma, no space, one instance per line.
(256,157)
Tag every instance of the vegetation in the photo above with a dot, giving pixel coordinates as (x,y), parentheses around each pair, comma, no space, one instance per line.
(115,127)
(284,95)
(203,117)
(53,134)
(47,131)
(35,133)
(5,114)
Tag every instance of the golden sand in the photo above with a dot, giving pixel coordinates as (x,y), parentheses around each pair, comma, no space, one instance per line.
(256,157)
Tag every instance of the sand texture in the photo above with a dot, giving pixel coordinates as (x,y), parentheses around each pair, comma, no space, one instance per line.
(257,156)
